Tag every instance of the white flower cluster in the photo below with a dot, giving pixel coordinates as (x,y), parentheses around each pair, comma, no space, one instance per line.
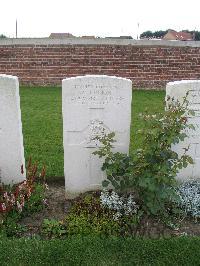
(189,193)
(119,204)
(10,201)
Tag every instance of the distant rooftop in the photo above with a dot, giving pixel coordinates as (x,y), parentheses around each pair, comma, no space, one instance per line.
(69,35)
(61,35)
(179,36)
(88,37)
(120,37)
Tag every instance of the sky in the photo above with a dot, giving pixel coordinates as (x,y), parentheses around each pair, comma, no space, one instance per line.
(38,18)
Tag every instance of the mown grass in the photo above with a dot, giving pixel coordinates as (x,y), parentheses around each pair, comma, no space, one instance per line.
(42,123)
(97,251)
(42,127)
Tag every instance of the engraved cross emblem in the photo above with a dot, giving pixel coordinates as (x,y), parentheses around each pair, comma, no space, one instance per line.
(96,128)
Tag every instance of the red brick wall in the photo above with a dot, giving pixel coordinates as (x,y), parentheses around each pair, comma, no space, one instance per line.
(146,65)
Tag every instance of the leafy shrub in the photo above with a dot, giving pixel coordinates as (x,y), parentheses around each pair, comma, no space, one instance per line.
(150,171)
(189,193)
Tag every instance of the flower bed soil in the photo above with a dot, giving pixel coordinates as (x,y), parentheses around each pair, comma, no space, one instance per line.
(58,208)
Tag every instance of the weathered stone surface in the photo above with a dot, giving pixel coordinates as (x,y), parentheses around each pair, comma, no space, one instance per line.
(178,91)
(11,139)
(91,105)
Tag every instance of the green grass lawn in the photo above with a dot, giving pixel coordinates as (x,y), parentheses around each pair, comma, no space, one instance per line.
(42,127)
(42,123)
(100,251)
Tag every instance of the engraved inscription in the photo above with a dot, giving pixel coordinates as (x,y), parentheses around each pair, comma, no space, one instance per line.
(93,94)
(194,100)
(195,122)
(197,151)
(194,96)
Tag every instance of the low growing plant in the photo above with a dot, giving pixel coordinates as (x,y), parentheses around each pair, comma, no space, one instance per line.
(189,193)
(88,216)
(21,200)
(150,171)
(53,228)
(123,205)
(95,214)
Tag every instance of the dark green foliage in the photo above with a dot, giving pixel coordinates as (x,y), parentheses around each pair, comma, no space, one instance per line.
(100,251)
(159,34)
(10,226)
(2,36)
(150,171)
(197,35)
(146,34)
(156,34)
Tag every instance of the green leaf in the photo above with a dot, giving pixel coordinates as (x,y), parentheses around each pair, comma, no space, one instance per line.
(105,183)
(122,185)
(190,160)
(115,185)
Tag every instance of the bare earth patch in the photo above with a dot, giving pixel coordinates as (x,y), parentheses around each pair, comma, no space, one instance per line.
(58,207)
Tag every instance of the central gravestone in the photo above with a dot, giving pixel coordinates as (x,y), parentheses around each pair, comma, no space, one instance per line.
(91,106)
(11,139)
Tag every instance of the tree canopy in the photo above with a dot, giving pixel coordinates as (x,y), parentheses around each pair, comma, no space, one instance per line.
(153,34)
(2,36)
(159,34)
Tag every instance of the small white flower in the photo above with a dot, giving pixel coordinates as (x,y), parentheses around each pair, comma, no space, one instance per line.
(189,193)
(44,201)
(19,206)
(5,194)
(3,205)
(116,216)
(119,204)
(12,199)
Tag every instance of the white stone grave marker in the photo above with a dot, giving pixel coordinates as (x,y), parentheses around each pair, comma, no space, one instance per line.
(11,139)
(90,105)
(178,91)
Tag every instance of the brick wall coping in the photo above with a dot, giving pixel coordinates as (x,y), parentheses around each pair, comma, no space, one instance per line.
(100,41)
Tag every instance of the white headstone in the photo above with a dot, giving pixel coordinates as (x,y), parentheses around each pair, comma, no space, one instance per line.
(91,105)
(178,91)
(11,139)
